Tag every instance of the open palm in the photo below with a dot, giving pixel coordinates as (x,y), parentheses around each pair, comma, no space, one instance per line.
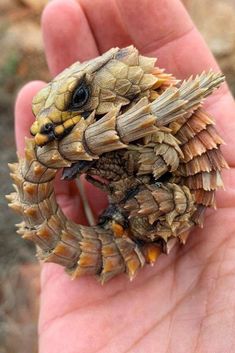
(186,302)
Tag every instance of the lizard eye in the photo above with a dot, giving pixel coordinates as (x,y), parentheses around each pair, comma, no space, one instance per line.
(80,97)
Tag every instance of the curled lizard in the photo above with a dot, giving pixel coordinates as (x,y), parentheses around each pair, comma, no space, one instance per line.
(139,134)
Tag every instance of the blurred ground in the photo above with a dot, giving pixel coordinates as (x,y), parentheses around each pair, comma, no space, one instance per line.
(216,21)
(21,60)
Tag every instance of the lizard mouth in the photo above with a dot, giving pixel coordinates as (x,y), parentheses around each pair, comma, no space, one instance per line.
(42,139)
(49,131)
(76,168)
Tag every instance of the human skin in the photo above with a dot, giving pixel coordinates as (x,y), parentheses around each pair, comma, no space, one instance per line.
(186,302)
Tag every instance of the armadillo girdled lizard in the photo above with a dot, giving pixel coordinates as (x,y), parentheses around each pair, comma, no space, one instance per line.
(145,135)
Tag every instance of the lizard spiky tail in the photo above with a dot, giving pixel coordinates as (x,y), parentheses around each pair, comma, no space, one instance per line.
(202,162)
(81,249)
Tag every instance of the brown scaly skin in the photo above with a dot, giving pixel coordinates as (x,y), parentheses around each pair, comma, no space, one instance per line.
(122,119)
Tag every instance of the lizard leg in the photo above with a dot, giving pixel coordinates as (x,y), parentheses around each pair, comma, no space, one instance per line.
(160,154)
(160,212)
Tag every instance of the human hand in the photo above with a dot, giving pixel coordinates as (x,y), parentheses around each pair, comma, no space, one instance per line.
(186,302)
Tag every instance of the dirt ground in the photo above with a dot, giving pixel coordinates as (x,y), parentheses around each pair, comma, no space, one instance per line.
(21,60)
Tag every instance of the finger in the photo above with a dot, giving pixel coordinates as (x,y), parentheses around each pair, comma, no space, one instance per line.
(66,193)
(146,24)
(163,27)
(23,112)
(69,199)
(67,36)
(97,199)
(107,25)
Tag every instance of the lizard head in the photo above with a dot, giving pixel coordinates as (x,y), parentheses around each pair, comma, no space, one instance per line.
(97,86)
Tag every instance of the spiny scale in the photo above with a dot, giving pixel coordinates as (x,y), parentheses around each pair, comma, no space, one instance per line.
(148,136)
